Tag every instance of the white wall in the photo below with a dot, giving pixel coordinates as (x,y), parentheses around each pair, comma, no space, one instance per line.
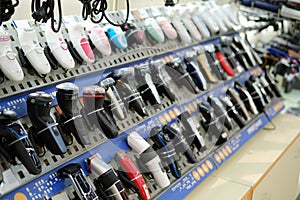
(72,7)
(69,7)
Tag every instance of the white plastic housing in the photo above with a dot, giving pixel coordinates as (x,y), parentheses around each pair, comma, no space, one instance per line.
(99,39)
(80,42)
(33,51)
(8,62)
(59,48)
(169,31)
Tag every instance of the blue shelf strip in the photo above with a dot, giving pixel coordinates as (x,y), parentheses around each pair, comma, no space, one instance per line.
(189,181)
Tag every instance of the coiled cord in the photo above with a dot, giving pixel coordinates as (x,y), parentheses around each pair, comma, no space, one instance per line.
(94,8)
(7,9)
(43,12)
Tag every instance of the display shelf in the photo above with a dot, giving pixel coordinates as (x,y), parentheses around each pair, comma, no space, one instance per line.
(49,183)
(17,102)
(267,167)
(189,181)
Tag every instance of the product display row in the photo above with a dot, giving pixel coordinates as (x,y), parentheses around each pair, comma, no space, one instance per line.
(112,128)
(41,50)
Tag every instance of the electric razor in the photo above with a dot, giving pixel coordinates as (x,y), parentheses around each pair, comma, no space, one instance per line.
(9,65)
(126,87)
(71,119)
(211,124)
(163,145)
(177,70)
(16,144)
(93,98)
(117,105)
(180,143)
(44,130)
(33,51)
(145,84)
(161,79)
(191,132)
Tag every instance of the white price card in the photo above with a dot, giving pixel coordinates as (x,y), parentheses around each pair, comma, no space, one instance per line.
(21,24)
(124,14)
(69,20)
(155,11)
(143,13)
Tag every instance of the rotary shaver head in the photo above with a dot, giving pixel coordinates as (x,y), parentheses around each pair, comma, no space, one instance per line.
(44,129)
(93,97)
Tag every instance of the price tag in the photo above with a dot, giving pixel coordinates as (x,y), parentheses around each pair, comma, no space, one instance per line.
(143,13)
(137,14)
(21,24)
(155,11)
(124,14)
(69,20)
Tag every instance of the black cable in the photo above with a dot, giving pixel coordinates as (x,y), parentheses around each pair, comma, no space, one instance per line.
(7,9)
(94,8)
(271,122)
(41,12)
(86,9)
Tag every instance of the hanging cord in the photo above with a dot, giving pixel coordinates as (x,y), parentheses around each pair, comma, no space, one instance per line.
(7,9)
(94,8)
(86,9)
(41,13)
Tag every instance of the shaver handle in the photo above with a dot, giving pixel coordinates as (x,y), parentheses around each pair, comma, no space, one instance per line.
(201,58)
(78,129)
(162,89)
(117,110)
(160,177)
(224,64)
(107,124)
(54,139)
(28,157)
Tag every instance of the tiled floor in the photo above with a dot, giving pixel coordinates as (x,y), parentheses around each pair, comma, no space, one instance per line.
(291,99)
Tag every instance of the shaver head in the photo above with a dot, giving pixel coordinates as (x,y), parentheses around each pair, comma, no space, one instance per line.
(142,70)
(94,94)
(137,142)
(123,73)
(107,82)
(67,89)
(7,117)
(67,96)
(133,34)
(206,110)
(39,98)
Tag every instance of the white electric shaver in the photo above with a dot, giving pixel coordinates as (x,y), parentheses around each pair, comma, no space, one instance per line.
(198,21)
(230,13)
(149,157)
(190,26)
(33,51)
(181,30)
(117,36)
(169,31)
(59,48)
(80,42)
(9,65)
(154,30)
(208,20)
(99,39)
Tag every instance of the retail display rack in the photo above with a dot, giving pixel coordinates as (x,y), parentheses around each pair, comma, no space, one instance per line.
(22,185)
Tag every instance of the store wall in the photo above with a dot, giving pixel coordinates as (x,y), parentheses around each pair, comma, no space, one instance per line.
(72,7)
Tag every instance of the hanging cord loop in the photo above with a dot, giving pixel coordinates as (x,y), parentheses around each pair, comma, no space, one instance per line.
(42,12)
(96,10)
(7,9)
